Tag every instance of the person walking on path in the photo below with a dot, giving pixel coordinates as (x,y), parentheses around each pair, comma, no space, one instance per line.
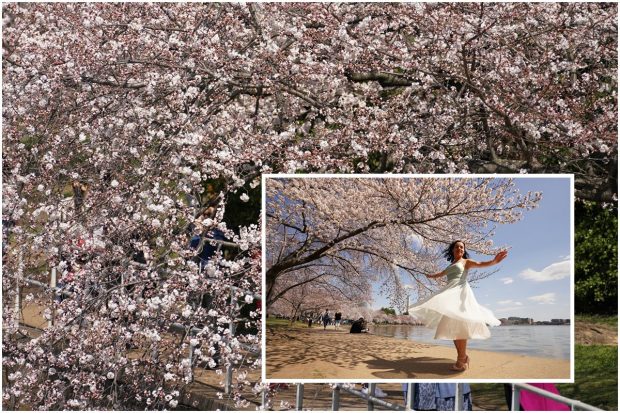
(325,318)
(337,318)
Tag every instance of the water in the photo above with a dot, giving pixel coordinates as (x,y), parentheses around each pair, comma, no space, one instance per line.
(538,341)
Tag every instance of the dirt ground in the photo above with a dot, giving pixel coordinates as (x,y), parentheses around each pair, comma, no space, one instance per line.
(302,353)
(591,333)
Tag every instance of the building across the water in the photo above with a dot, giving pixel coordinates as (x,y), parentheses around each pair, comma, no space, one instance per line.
(512,321)
(515,321)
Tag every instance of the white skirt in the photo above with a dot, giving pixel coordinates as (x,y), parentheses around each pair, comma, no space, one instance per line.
(456,313)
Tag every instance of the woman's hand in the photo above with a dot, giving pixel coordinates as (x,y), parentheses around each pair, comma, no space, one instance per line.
(500,256)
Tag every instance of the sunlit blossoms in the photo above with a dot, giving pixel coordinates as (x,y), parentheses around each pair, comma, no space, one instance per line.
(135,134)
(342,232)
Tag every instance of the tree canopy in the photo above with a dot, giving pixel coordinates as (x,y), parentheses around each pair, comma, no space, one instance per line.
(131,128)
(596,259)
(365,228)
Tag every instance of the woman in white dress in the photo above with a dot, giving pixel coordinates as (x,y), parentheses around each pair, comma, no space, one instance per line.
(454,309)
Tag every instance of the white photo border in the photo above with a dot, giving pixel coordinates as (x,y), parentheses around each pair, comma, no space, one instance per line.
(266,380)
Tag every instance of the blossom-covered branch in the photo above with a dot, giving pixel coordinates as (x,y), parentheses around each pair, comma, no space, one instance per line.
(379,226)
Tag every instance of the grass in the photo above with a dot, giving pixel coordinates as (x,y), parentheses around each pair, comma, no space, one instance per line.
(488,396)
(596,381)
(282,322)
(596,377)
(608,320)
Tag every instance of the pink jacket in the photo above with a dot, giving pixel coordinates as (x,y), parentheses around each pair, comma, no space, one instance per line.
(531,401)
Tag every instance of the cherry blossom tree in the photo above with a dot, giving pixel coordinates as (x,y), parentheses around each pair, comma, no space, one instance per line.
(308,293)
(131,129)
(364,228)
(312,290)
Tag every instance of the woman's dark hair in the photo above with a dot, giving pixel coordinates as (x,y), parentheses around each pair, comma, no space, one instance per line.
(449,254)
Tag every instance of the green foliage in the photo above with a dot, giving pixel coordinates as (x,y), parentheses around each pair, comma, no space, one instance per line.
(596,381)
(611,321)
(239,213)
(378,162)
(388,311)
(388,93)
(596,377)
(273,322)
(596,259)
(30,141)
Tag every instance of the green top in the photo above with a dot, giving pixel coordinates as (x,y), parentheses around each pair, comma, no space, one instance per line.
(455,271)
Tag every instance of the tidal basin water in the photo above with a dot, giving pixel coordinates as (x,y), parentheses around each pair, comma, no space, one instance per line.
(538,341)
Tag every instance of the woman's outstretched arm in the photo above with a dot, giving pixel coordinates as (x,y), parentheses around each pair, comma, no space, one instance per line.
(436,275)
(477,264)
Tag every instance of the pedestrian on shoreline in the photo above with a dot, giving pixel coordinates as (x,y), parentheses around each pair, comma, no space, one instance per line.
(325,318)
(337,318)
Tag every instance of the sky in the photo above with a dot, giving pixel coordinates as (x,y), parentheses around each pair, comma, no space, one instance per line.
(534,280)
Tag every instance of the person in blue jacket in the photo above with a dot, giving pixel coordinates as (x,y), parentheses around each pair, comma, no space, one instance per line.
(438,396)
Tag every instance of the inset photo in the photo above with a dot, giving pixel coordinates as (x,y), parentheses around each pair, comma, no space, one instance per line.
(381,278)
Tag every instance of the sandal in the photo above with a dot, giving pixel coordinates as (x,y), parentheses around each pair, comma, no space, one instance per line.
(461,364)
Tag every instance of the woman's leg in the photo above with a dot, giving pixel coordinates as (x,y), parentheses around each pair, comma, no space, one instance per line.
(461,350)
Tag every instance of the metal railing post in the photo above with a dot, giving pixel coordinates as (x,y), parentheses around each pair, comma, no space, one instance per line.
(371,392)
(515,398)
(299,398)
(458,397)
(231,327)
(191,358)
(50,322)
(17,303)
(410,396)
(336,398)
(16,308)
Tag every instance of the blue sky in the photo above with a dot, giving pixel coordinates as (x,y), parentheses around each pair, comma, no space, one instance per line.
(534,280)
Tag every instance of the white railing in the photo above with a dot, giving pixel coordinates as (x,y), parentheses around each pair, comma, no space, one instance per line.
(373,401)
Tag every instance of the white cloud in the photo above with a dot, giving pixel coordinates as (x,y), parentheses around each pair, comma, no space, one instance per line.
(507,280)
(555,271)
(506,302)
(548,298)
(508,310)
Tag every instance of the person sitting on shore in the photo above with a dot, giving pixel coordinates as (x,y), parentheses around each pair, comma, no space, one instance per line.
(358,326)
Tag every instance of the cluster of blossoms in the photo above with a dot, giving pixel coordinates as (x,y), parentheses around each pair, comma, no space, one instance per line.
(129,129)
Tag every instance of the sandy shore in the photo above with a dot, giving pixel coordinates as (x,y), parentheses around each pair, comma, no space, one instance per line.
(314,353)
